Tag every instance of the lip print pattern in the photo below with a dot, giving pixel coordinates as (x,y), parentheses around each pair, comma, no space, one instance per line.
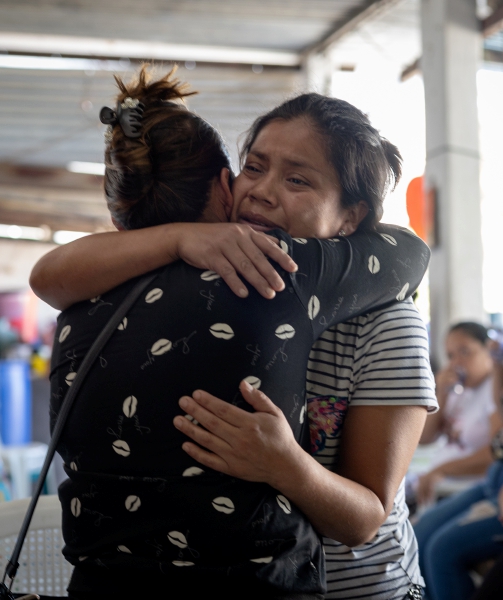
(224,505)
(285,332)
(302,414)
(284,504)
(253,381)
(70,377)
(124,549)
(73,466)
(178,539)
(192,472)
(65,332)
(313,307)
(264,560)
(284,246)
(300,240)
(374,264)
(161,347)
(153,295)
(210,276)
(82,558)
(191,419)
(75,507)
(403,292)
(182,563)
(222,331)
(129,406)
(132,503)
(121,447)
(389,238)
(122,324)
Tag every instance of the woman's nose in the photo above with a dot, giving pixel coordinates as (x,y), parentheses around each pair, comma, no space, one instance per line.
(265,191)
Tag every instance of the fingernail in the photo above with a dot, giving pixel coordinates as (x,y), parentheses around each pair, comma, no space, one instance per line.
(178,422)
(248,387)
(183,402)
(243,292)
(270,293)
(196,395)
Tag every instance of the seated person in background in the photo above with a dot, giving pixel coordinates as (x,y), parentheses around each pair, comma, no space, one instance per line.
(463,530)
(467,416)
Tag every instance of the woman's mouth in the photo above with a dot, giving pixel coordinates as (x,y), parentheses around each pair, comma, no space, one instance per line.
(257,222)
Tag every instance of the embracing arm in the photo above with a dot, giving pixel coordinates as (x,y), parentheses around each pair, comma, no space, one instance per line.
(349,505)
(95,264)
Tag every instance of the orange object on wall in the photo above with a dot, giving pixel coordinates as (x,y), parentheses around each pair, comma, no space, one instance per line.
(421,210)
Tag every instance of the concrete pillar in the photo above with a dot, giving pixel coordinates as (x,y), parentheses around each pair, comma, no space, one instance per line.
(451,50)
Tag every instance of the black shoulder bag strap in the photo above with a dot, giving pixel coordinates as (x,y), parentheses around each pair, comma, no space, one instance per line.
(85,366)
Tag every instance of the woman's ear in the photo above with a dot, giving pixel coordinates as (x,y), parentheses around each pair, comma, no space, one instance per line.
(354,216)
(117,225)
(225,184)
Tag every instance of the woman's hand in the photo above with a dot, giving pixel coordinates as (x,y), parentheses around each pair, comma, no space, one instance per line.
(230,249)
(426,486)
(253,446)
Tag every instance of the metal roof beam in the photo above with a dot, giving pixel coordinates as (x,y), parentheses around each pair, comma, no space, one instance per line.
(142,50)
(365,11)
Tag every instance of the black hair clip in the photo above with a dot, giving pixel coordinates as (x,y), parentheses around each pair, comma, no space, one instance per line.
(128,115)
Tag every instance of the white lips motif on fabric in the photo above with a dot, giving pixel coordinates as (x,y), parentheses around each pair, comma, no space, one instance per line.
(178,539)
(300,240)
(183,563)
(73,466)
(389,238)
(132,503)
(70,377)
(265,560)
(313,307)
(129,406)
(122,324)
(192,472)
(284,246)
(224,505)
(285,332)
(222,331)
(161,347)
(210,276)
(75,507)
(284,504)
(253,381)
(124,549)
(153,295)
(403,292)
(121,447)
(302,414)
(65,332)
(374,264)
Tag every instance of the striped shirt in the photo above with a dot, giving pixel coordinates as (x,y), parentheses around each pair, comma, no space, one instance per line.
(378,359)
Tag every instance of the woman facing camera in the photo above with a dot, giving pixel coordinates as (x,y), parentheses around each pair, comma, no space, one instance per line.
(317,170)
(468,417)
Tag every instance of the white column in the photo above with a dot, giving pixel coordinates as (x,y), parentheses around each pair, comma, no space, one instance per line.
(451,50)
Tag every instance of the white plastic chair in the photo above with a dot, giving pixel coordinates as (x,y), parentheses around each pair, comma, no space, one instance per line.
(42,567)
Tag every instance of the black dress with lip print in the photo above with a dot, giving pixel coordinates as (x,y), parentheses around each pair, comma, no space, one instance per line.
(134,501)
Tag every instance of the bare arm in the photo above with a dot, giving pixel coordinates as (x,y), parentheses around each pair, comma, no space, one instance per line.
(473,464)
(349,505)
(95,264)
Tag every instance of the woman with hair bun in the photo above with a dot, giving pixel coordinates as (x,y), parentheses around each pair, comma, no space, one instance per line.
(299,181)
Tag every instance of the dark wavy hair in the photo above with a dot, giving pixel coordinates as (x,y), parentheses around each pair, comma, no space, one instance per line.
(472,329)
(366,163)
(165,175)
